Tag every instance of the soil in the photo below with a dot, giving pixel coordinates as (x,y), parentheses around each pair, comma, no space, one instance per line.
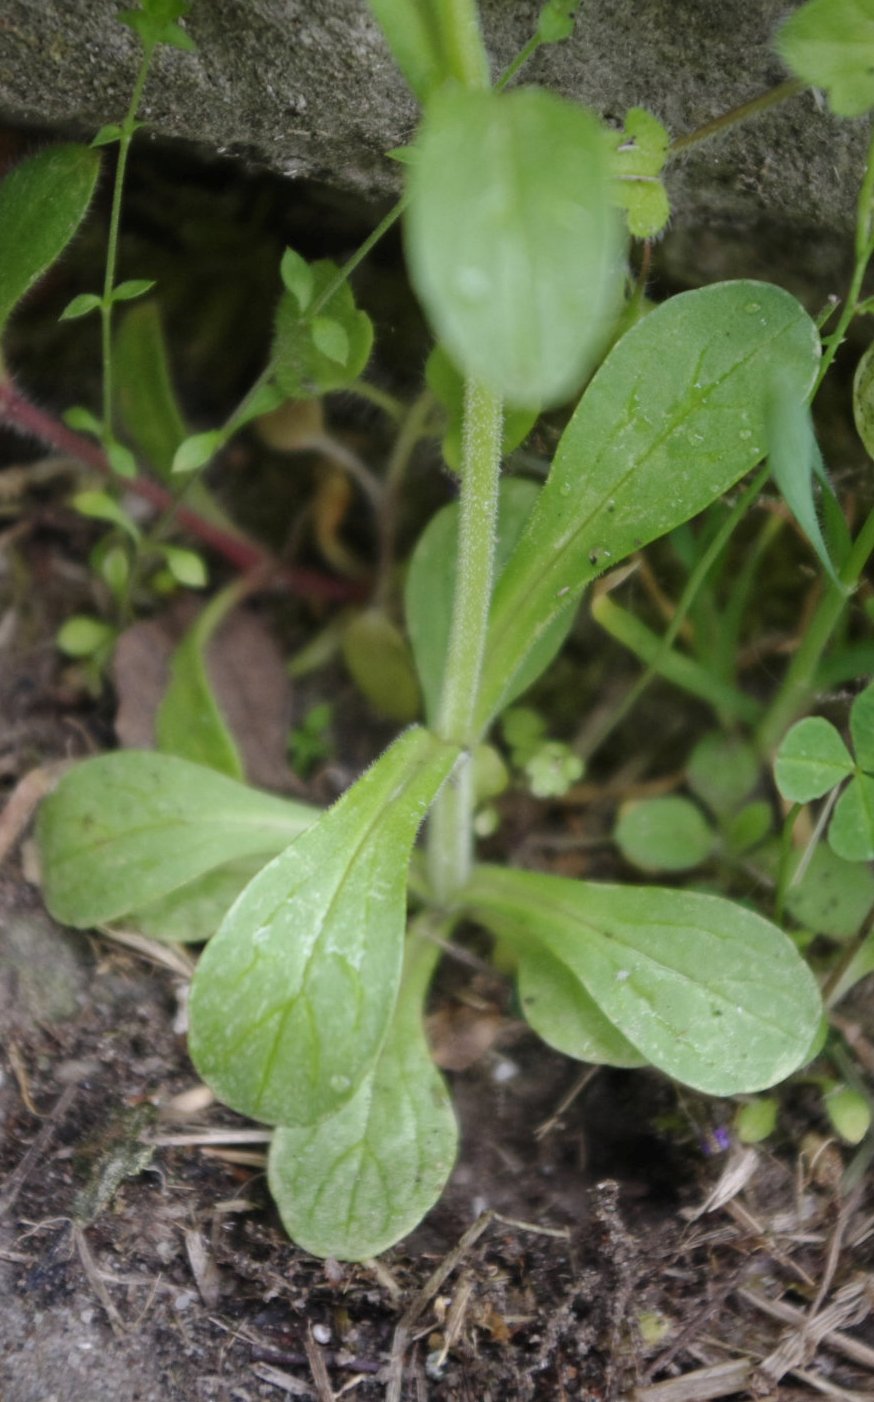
(602,1235)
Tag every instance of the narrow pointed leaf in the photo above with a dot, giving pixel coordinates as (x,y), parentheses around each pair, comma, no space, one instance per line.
(705,990)
(673,418)
(189,722)
(514,246)
(126,829)
(361,1179)
(811,760)
(293,996)
(795,462)
(42,203)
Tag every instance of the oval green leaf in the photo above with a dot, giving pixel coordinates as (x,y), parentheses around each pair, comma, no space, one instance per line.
(851,833)
(126,829)
(42,203)
(811,760)
(560,1011)
(664,834)
(514,245)
(673,418)
(293,996)
(705,990)
(358,1181)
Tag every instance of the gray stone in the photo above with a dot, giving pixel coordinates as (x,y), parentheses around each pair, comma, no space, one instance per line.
(309,90)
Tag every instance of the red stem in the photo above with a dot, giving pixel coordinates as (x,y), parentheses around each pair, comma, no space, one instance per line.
(20,414)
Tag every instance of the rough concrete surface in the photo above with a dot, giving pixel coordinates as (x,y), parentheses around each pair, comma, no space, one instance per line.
(309,90)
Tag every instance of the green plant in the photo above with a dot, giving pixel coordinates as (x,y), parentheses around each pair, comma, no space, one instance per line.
(306,1004)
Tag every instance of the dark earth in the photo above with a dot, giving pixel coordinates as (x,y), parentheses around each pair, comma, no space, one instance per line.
(601,1237)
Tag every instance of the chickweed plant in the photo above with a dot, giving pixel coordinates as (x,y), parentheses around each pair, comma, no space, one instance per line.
(322,930)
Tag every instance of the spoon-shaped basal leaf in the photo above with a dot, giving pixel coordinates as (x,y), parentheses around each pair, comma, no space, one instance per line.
(361,1179)
(673,418)
(123,830)
(514,245)
(42,203)
(293,996)
(704,989)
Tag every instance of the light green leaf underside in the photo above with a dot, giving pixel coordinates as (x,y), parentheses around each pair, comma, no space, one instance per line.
(513,243)
(193,913)
(42,203)
(559,1010)
(673,418)
(124,830)
(361,1179)
(704,989)
(292,997)
(811,760)
(431,582)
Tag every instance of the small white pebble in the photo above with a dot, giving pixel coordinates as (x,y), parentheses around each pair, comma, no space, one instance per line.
(504,1070)
(321,1333)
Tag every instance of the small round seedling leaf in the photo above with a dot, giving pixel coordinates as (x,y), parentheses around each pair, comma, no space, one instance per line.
(196,451)
(114,568)
(862,728)
(748,827)
(756,1120)
(83,636)
(830,44)
(849,1112)
(100,506)
(851,831)
(330,339)
(811,760)
(664,834)
(186,566)
(514,245)
(297,277)
(121,460)
(723,770)
(303,368)
(833,897)
(83,421)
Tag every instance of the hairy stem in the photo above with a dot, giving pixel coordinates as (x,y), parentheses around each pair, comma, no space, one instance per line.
(450,833)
